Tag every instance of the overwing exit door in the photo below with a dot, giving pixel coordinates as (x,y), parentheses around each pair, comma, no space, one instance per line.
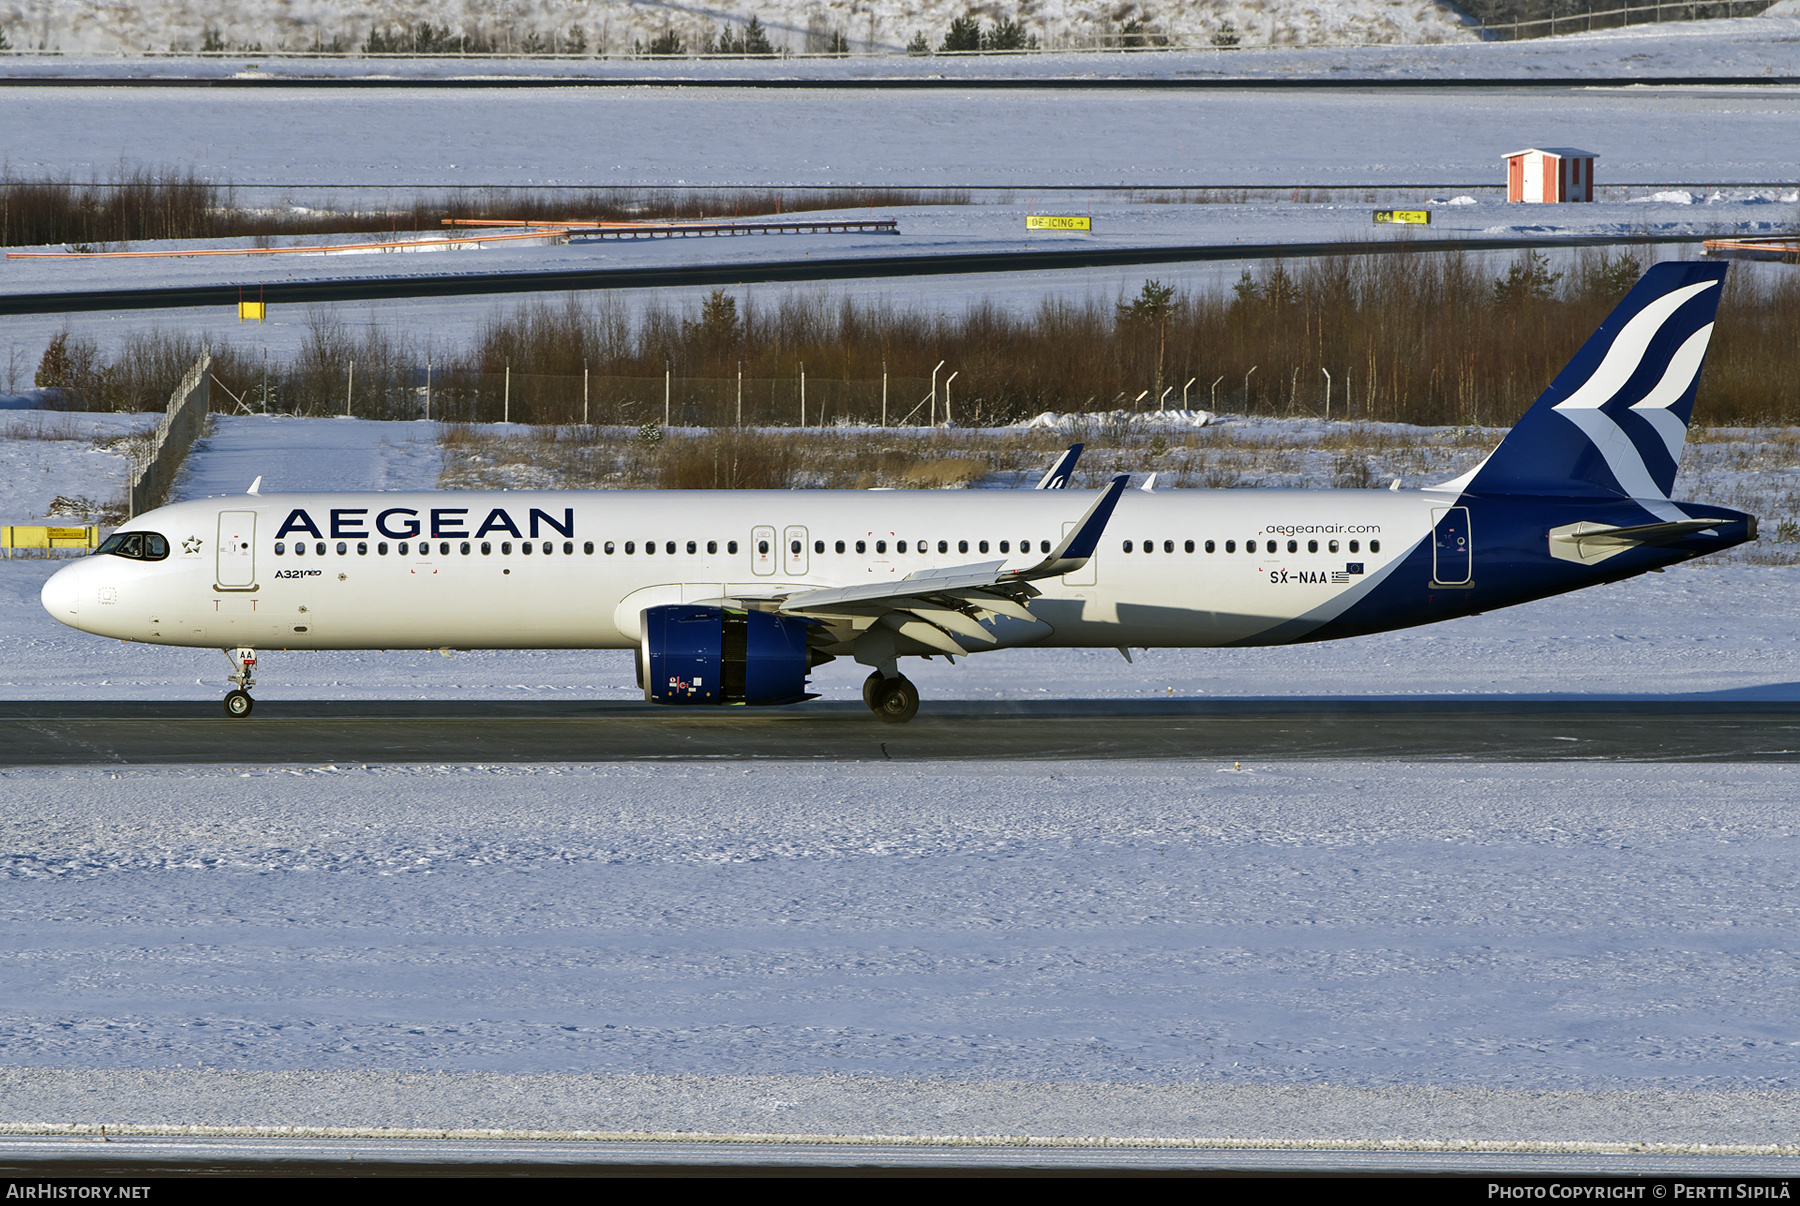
(764,557)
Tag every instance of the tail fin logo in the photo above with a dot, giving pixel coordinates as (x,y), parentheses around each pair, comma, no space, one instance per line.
(1614,420)
(1586,406)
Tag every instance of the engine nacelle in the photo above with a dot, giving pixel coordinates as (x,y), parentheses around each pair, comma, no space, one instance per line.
(696,654)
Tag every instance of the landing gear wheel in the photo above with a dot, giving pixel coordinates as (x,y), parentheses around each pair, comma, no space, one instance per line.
(239,703)
(896,700)
(872,691)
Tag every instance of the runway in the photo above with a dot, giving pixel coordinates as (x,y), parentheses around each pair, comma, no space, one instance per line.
(770,272)
(1077,83)
(1413,730)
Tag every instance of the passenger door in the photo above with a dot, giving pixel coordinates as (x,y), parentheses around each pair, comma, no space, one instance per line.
(1451,549)
(235,564)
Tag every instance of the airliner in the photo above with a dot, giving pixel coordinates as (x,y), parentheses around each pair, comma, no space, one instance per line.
(736,598)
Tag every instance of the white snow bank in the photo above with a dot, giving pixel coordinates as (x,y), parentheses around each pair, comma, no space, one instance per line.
(1670,197)
(1059,421)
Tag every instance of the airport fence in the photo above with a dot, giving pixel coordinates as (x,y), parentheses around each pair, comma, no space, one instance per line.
(180,426)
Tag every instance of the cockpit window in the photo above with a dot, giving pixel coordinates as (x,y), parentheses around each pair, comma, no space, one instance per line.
(138,546)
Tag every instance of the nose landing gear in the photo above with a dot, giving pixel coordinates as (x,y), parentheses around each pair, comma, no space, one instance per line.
(243,664)
(895,700)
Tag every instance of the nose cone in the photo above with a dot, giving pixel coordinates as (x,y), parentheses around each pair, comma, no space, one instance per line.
(62,592)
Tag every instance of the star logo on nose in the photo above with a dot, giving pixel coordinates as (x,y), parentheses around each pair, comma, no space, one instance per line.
(191,545)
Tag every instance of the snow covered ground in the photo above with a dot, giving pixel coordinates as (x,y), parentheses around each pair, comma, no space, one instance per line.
(1469,927)
(274,138)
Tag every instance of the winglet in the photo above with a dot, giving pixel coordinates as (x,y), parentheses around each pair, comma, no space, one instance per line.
(1079,545)
(255,486)
(1057,478)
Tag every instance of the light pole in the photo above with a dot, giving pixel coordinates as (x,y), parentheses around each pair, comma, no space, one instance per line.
(947,381)
(934,373)
(1215,392)
(1327,373)
(1253,368)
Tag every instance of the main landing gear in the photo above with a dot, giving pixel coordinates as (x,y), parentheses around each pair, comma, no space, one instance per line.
(895,699)
(243,664)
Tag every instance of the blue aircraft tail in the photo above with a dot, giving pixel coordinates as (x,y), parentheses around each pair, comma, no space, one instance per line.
(1613,422)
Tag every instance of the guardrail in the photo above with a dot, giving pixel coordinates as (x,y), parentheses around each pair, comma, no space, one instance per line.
(45,539)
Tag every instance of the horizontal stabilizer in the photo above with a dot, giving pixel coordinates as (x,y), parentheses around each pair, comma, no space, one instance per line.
(1588,542)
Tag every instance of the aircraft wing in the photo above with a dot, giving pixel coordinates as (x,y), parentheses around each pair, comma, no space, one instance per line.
(935,605)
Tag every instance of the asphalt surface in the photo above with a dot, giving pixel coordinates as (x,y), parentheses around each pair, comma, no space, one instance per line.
(774,271)
(82,733)
(1079,83)
(144,1159)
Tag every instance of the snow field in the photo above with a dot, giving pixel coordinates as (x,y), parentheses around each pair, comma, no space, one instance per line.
(1561,927)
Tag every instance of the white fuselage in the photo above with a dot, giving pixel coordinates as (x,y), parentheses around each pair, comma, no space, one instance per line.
(449,570)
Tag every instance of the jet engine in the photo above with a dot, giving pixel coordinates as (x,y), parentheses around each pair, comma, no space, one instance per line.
(697,654)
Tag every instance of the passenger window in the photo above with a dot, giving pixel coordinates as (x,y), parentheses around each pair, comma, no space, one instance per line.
(1331,547)
(943,546)
(465,548)
(712,546)
(444,548)
(692,548)
(762,546)
(795,548)
(382,548)
(1005,547)
(1293,546)
(1354,546)
(487,548)
(630,547)
(319,548)
(588,548)
(1190,547)
(506,548)
(1374,546)
(881,546)
(861,547)
(301,548)
(731,547)
(280,548)
(818,546)
(1126,546)
(1149,546)
(840,546)
(525,547)
(962,546)
(1209,546)
(1231,546)
(984,546)
(608,548)
(1312,546)
(342,548)
(1043,546)
(1169,546)
(362,548)
(900,546)
(569,548)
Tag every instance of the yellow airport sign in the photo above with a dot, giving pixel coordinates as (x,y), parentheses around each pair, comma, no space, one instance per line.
(1077,222)
(1403,217)
(250,310)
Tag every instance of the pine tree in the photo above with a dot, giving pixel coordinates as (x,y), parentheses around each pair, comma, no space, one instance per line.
(53,369)
(667,42)
(918,45)
(965,34)
(755,39)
